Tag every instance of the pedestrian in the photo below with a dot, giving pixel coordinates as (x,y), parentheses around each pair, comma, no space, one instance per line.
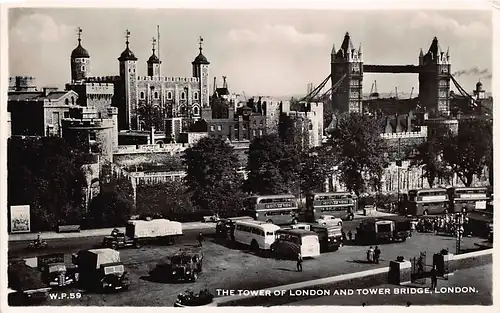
(200,239)
(349,234)
(369,254)
(299,262)
(344,238)
(376,254)
(433,277)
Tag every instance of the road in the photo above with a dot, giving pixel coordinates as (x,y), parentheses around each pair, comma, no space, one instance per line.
(479,278)
(230,267)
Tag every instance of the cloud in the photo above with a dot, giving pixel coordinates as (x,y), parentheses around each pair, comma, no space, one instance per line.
(442,24)
(39,28)
(269,34)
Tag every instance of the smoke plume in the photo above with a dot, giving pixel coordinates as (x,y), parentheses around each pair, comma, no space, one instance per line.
(482,73)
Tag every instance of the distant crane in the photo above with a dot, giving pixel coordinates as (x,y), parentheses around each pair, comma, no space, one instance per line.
(373,91)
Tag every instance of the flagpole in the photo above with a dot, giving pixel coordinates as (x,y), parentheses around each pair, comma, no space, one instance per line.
(159,55)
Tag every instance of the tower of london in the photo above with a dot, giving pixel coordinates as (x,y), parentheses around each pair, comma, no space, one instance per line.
(143,102)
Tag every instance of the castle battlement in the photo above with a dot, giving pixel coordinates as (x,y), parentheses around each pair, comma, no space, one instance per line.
(157,148)
(169,79)
(421,134)
(87,123)
(103,79)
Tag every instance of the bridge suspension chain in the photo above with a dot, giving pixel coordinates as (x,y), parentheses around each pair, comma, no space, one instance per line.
(465,94)
(316,90)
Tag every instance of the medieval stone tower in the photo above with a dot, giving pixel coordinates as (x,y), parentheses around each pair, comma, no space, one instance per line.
(348,62)
(154,63)
(434,80)
(128,78)
(200,71)
(80,62)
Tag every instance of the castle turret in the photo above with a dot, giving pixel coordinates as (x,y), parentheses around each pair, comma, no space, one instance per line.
(154,63)
(200,70)
(128,75)
(80,61)
(347,76)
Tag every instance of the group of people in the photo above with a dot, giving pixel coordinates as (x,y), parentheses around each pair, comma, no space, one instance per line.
(442,224)
(373,255)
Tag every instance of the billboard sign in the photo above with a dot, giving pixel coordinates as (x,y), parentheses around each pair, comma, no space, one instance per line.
(20,219)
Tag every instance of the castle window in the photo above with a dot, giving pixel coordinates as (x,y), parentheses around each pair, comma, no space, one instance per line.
(212,128)
(66,114)
(254,133)
(142,94)
(92,136)
(195,95)
(261,132)
(66,101)
(183,95)
(156,94)
(72,100)
(195,111)
(219,128)
(169,95)
(83,67)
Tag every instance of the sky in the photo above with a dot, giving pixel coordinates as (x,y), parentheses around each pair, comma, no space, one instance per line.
(261,52)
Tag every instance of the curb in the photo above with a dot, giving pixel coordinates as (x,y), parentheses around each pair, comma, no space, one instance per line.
(93,233)
(364,279)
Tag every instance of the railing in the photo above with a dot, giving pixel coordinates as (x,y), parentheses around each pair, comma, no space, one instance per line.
(169,79)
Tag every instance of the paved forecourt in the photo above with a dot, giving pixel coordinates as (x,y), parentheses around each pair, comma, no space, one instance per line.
(223,263)
(476,288)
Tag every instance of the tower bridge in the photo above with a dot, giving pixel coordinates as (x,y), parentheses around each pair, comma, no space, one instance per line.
(346,77)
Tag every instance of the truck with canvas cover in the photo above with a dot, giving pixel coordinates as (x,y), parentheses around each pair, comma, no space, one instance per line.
(101,269)
(139,232)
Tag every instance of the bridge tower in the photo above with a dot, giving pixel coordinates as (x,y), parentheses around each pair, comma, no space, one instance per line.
(347,61)
(434,80)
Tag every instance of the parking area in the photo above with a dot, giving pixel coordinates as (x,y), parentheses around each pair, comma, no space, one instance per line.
(229,267)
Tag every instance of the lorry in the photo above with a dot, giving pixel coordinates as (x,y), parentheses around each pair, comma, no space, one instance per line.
(184,265)
(402,227)
(101,270)
(139,232)
(25,284)
(373,230)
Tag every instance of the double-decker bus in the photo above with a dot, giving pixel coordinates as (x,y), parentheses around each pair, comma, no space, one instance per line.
(275,209)
(427,201)
(468,198)
(337,204)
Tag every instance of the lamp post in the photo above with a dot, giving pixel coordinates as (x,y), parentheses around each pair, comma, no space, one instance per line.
(399,163)
(459,221)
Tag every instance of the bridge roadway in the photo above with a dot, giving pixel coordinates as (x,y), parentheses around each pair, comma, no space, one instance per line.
(231,267)
(396,69)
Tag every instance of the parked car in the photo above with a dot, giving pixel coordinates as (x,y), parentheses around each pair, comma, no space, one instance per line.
(329,220)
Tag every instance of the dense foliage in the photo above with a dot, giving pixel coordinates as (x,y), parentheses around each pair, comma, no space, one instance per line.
(165,199)
(212,178)
(360,152)
(46,174)
(470,150)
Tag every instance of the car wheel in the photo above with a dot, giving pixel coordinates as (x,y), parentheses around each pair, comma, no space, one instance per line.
(137,245)
(339,223)
(114,246)
(269,221)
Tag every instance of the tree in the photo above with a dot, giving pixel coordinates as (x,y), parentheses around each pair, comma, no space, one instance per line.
(360,152)
(46,173)
(270,166)
(317,165)
(470,149)
(428,155)
(165,199)
(212,177)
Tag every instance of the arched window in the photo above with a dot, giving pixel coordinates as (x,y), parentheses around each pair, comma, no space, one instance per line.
(196,111)
(83,67)
(142,94)
(183,95)
(195,95)
(72,100)
(156,94)
(169,95)
(66,101)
